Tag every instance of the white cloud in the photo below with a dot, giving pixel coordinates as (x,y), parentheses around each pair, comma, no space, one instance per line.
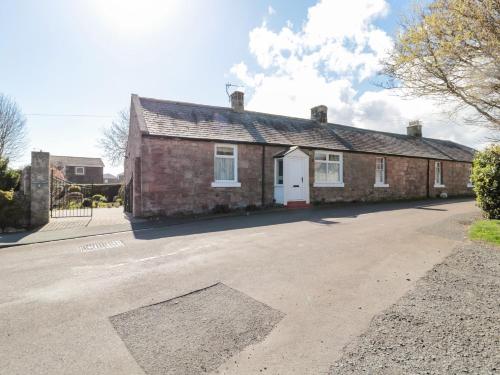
(270,10)
(330,61)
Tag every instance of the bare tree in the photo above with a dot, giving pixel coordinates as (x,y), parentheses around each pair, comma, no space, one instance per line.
(114,138)
(13,131)
(450,51)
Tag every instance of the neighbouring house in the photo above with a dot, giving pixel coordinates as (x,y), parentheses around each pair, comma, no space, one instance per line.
(192,158)
(110,179)
(79,170)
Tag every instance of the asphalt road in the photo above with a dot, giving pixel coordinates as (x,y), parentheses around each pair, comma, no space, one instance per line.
(329,271)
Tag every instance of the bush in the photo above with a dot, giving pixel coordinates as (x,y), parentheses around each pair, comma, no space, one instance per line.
(99,198)
(486,180)
(74,189)
(13,209)
(87,202)
(9,178)
(108,190)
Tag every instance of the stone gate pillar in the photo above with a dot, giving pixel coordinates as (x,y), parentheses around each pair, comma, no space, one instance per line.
(40,188)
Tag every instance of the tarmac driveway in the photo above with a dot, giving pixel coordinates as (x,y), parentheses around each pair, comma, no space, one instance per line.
(320,275)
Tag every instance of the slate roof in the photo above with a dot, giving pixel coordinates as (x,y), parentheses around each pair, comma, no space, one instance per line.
(195,121)
(76,161)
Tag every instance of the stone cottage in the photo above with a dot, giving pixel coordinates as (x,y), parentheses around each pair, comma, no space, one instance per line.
(190,158)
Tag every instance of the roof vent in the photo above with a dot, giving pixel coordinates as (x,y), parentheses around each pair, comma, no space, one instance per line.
(414,128)
(319,114)
(238,101)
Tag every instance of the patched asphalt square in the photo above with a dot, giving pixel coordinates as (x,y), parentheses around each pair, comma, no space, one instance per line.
(194,333)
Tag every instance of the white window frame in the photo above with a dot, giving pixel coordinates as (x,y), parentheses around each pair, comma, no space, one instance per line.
(438,182)
(469,183)
(381,184)
(80,174)
(227,183)
(276,171)
(341,168)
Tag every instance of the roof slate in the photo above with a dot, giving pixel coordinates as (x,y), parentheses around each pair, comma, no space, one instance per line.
(195,121)
(76,161)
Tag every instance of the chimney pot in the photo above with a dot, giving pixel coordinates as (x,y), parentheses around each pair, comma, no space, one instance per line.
(238,101)
(319,114)
(414,128)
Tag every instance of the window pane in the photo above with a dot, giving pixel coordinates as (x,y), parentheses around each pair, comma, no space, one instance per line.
(320,172)
(224,169)
(333,172)
(333,157)
(379,176)
(279,177)
(222,150)
(319,156)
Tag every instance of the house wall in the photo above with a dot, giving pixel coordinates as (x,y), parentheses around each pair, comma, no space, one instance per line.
(406,177)
(176,177)
(93,175)
(132,161)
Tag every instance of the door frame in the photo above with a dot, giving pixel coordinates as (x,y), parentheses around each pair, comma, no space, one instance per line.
(294,154)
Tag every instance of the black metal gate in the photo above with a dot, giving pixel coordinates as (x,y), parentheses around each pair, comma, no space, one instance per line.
(68,199)
(128,197)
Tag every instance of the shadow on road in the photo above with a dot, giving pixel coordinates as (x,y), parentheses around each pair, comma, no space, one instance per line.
(322,215)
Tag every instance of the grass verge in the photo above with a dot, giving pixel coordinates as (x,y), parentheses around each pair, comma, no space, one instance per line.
(486,230)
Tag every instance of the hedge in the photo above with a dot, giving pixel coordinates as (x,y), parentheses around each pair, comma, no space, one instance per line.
(13,209)
(486,180)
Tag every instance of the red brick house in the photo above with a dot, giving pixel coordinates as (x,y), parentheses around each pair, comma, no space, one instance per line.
(81,170)
(189,158)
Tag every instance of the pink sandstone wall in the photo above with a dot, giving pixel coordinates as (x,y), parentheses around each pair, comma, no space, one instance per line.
(176,177)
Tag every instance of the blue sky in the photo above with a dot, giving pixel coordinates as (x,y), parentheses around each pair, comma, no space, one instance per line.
(60,57)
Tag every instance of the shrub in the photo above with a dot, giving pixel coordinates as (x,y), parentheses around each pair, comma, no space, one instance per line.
(99,198)
(486,180)
(13,209)
(87,202)
(107,190)
(251,207)
(9,178)
(74,189)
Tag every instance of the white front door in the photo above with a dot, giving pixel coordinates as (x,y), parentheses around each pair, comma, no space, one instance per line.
(296,179)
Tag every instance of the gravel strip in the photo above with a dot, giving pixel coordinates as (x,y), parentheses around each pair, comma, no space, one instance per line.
(449,324)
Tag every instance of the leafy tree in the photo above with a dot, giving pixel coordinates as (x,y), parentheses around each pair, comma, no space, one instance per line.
(12,129)
(486,180)
(9,178)
(114,139)
(450,50)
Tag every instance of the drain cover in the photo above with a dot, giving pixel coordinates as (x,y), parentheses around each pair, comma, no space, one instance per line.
(93,246)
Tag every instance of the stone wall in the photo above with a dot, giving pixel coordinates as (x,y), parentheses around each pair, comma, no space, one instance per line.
(40,189)
(176,176)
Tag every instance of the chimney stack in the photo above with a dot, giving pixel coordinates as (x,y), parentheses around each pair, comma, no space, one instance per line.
(319,114)
(414,129)
(237,101)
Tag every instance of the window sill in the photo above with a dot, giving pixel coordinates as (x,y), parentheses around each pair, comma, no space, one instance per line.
(439,186)
(381,185)
(470,185)
(328,184)
(221,184)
